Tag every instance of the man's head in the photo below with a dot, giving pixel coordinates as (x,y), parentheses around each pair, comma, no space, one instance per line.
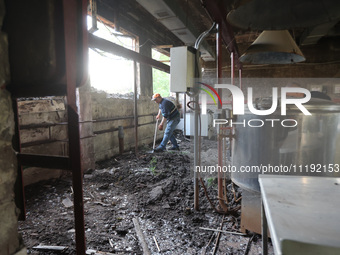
(157,98)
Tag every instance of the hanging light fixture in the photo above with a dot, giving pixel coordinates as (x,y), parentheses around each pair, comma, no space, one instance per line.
(273,47)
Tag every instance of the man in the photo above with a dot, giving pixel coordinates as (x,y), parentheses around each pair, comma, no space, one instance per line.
(171,115)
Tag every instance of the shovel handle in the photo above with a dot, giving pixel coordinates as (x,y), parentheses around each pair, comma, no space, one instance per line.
(154,138)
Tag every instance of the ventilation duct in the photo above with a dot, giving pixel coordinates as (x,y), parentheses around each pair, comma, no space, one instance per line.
(174,19)
(273,47)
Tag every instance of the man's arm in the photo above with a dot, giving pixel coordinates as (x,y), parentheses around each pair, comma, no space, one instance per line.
(160,126)
(159,114)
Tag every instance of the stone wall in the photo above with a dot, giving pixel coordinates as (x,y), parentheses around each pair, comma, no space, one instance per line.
(325,75)
(9,237)
(110,113)
(43,130)
(86,127)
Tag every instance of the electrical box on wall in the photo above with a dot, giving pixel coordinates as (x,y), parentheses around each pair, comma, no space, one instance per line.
(182,68)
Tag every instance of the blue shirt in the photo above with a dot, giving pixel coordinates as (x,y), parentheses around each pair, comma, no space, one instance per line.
(168,109)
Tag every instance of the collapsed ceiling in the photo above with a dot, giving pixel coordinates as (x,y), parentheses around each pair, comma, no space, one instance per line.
(314,25)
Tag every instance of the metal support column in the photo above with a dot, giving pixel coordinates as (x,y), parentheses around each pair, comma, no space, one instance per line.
(264,233)
(232,73)
(222,204)
(135,91)
(73,11)
(184,113)
(196,148)
(240,77)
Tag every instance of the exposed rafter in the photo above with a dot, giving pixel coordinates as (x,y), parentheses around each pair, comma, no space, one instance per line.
(107,46)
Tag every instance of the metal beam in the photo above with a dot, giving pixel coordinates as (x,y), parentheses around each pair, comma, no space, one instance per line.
(53,162)
(107,46)
(76,56)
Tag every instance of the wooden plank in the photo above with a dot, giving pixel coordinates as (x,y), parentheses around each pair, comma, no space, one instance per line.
(107,46)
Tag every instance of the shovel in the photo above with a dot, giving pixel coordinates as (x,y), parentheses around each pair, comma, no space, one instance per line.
(154,139)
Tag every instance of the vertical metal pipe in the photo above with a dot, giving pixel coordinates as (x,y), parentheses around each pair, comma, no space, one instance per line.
(240,77)
(71,9)
(264,233)
(219,137)
(184,113)
(196,116)
(232,75)
(135,91)
(196,148)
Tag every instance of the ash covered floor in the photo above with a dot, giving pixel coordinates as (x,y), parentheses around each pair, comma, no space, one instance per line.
(156,189)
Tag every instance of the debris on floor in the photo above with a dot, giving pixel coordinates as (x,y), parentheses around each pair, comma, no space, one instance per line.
(155,190)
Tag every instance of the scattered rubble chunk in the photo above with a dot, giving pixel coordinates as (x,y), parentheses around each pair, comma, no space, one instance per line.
(155,194)
(50,248)
(67,202)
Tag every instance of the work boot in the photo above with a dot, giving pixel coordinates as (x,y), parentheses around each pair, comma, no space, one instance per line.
(174,148)
(158,149)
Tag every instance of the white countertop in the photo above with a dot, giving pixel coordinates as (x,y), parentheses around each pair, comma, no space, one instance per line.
(303,213)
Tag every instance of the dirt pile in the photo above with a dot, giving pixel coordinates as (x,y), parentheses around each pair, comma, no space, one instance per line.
(156,189)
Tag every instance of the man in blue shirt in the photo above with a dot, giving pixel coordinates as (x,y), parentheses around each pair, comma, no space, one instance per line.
(172,117)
